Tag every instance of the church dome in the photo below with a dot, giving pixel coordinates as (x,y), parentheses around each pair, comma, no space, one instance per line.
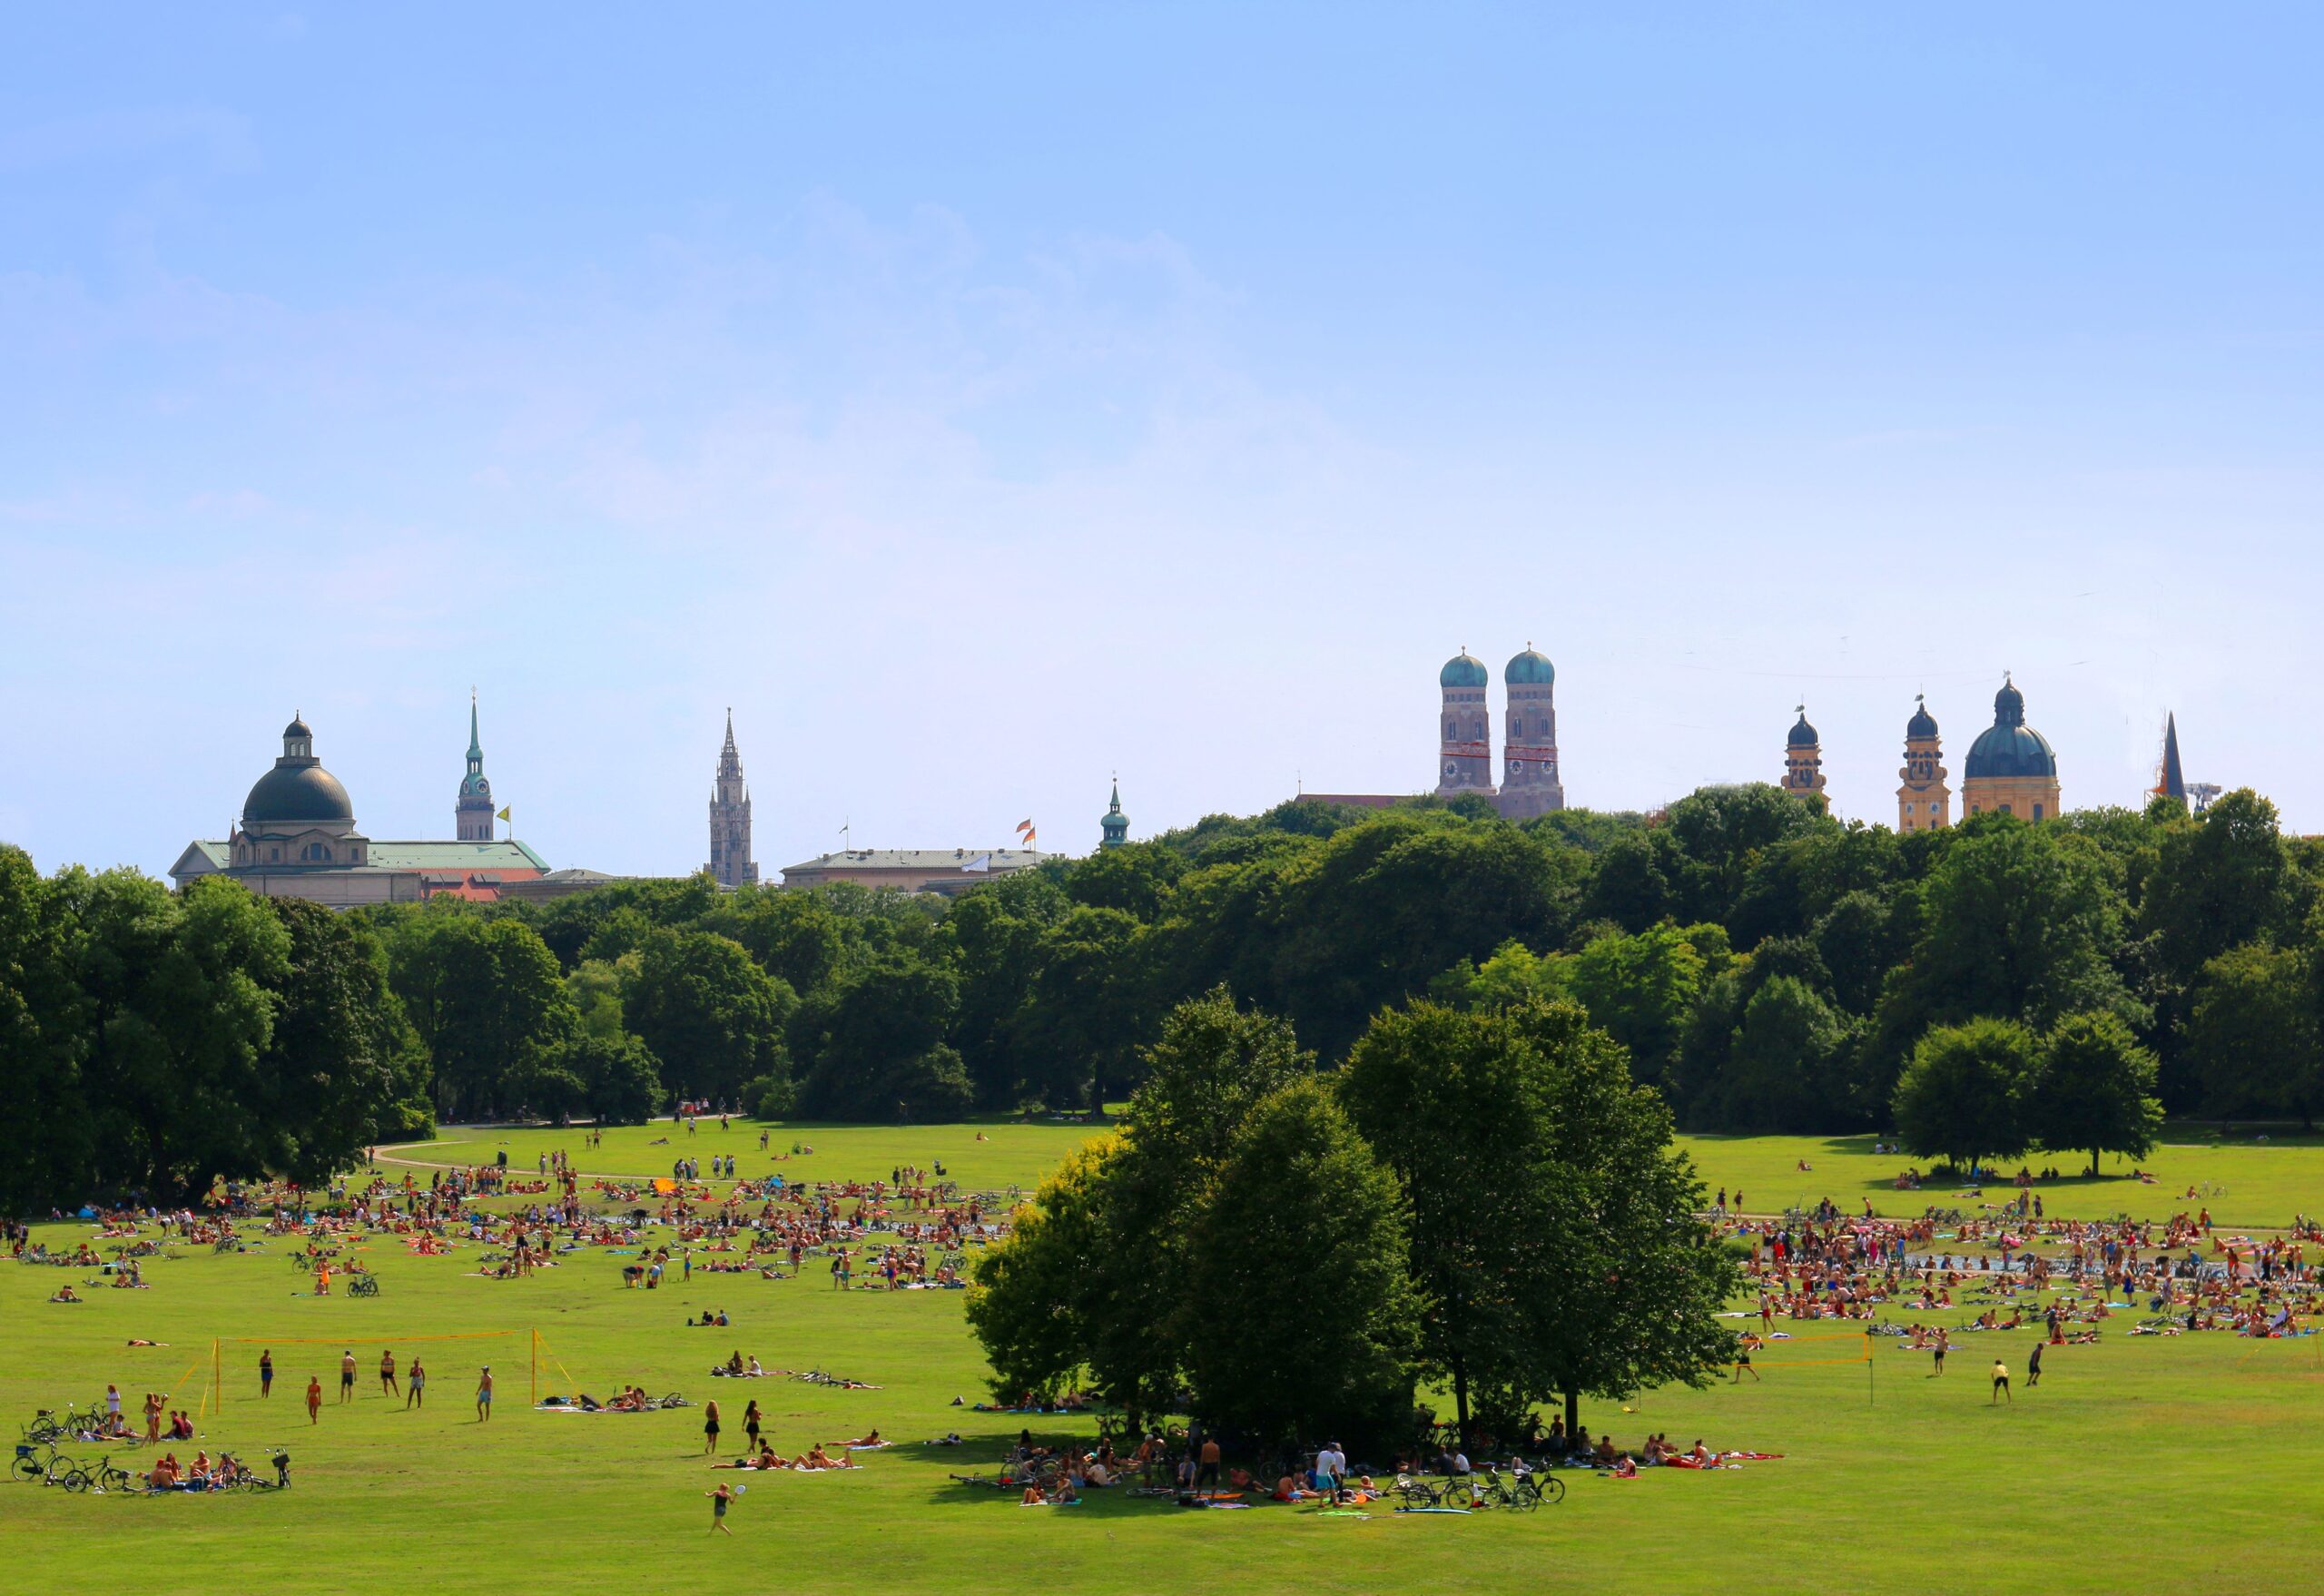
(1922,724)
(1463,671)
(1803,735)
(2009,747)
(296,791)
(1530,669)
(297,728)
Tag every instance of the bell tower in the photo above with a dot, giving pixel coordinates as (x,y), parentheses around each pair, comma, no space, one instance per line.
(1529,738)
(729,820)
(1924,803)
(1802,759)
(1464,750)
(472,815)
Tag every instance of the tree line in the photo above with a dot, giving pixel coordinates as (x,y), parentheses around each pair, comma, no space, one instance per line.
(1767,968)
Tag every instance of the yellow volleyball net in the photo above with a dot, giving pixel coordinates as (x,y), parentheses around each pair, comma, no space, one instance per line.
(366,1350)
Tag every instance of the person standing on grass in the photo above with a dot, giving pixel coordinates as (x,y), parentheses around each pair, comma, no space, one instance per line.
(266,1373)
(484,1396)
(314,1399)
(720,1500)
(710,1428)
(2001,1382)
(2033,1365)
(346,1376)
(752,1418)
(417,1395)
(152,1418)
(388,1386)
(1943,1346)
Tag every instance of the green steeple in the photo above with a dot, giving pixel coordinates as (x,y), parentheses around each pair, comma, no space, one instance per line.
(473,785)
(1116,824)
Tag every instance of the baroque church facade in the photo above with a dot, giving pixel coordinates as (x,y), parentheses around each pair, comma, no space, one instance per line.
(296,838)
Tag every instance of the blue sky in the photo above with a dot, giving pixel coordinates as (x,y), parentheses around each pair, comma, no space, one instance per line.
(984,400)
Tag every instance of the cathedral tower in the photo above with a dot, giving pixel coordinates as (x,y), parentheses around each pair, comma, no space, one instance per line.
(1924,803)
(1529,782)
(729,820)
(1114,825)
(472,815)
(1802,759)
(1464,755)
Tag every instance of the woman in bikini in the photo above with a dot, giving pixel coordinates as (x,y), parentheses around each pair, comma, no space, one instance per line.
(710,1428)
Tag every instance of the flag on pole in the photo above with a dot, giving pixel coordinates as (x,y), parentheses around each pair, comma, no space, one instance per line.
(1029,835)
(509,817)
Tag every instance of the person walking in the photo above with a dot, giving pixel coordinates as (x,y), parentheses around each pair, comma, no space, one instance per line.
(2034,1366)
(266,1373)
(417,1383)
(2001,1382)
(751,1421)
(346,1376)
(314,1399)
(720,1500)
(710,1428)
(484,1396)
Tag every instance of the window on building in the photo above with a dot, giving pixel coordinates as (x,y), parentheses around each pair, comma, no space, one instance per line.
(2037,812)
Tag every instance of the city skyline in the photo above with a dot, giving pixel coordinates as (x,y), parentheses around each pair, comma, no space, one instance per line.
(980,409)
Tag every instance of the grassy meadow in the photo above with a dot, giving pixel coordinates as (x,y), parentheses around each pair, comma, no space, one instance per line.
(2191,1457)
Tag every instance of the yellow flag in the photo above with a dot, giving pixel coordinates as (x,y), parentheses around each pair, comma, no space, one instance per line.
(507,816)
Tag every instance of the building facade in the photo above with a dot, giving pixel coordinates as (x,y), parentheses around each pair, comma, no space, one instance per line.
(949,871)
(298,839)
(1924,803)
(1531,780)
(2011,768)
(1802,759)
(729,820)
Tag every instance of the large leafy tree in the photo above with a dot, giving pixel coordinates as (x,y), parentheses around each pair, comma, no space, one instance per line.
(874,1047)
(1076,1033)
(1641,989)
(485,996)
(711,1016)
(47,1149)
(1302,1226)
(342,1069)
(1782,1070)
(2252,1034)
(1964,1094)
(1593,1276)
(2095,1089)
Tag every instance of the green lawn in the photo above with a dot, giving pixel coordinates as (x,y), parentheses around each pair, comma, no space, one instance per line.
(2189,1457)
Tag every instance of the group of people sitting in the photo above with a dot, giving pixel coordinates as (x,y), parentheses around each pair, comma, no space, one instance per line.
(202,1474)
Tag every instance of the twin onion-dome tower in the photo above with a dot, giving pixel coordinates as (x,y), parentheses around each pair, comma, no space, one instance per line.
(2011,768)
(1529,784)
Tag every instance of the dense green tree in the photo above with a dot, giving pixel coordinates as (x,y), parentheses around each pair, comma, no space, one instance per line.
(1963,1097)
(1037,1301)
(1593,1278)
(1782,1070)
(1135,879)
(46,1147)
(2095,1089)
(873,1047)
(1301,1228)
(1075,1033)
(711,1017)
(2252,1033)
(1641,989)
(1629,887)
(620,1079)
(992,938)
(342,1069)
(484,996)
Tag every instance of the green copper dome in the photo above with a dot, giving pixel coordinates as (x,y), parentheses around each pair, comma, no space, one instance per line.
(2009,747)
(296,791)
(1530,669)
(1461,671)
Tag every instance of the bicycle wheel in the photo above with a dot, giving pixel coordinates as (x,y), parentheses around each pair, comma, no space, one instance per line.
(1553,1489)
(30,1468)
(75,1480)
